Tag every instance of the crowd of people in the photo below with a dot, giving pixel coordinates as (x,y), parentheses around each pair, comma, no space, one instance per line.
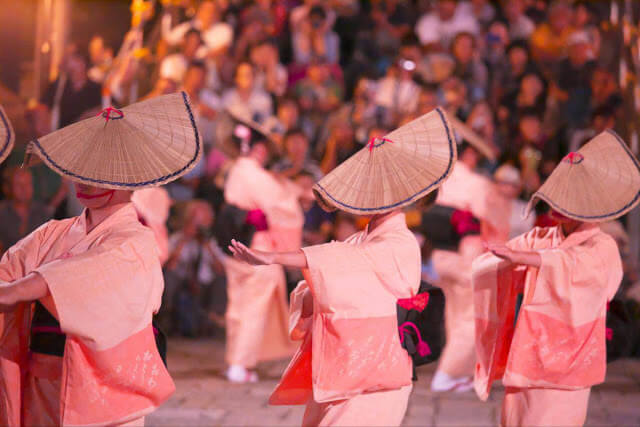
(321,78)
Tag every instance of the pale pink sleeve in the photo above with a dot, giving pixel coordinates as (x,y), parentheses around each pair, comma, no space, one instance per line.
(580,275)
(18,259)
(109,292)
(298,325)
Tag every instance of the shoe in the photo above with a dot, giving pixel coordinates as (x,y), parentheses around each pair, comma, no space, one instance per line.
(240,375)
(444,382)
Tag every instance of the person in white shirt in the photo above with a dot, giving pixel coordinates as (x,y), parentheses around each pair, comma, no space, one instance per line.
(245,99)
(438,28)
(175,66)
(217,36)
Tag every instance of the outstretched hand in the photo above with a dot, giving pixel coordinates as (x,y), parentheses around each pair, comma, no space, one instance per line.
(501,251)
(250,256)
(532,258)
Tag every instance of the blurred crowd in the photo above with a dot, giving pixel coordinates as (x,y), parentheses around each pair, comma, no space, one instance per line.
(532,78)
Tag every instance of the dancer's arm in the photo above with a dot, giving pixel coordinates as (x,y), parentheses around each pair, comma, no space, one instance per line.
(295,259)
(29,288)
(532,259)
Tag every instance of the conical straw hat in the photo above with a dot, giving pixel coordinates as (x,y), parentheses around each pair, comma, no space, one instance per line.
(145,144)
(7,136)
(475,140)
(393,171)
(601,181)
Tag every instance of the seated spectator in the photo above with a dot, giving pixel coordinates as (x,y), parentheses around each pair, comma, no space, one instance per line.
(482,10)
(271,75)
(318,93)
(602,118)
(314,39)
(506,79)
(19,213)
(392,20)
(193,273)
(175,66)
(469,67)
(531,95)
(437,29)
(549,40)
(296,158)
(453,92)
(205,103)
(245,98)
(520,25)
(217,36)
(604,90)
(494,49)
(318,223)
(340,146)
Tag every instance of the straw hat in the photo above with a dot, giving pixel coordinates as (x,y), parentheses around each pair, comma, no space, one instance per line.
(7,136)
(601,181)
(145,144)
(393,171)
(475,140)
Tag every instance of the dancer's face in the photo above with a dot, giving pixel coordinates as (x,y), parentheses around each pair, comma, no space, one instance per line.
(95,197)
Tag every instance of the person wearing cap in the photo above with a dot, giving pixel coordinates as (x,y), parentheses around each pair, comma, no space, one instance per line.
(465,190)
(350,368)
(257,300)
(550,352)
(506,221)
(88,354)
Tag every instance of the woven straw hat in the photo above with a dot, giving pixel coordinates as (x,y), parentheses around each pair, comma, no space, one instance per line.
(599,182)
(7,136)
(145,144)
(393,171)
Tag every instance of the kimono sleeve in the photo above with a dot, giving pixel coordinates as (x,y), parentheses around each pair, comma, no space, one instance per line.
(299,326)
(19,259)
(109,292)
(578,277)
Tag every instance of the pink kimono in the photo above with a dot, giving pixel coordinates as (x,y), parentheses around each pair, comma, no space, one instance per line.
(152,205)
(465,190)
(350,368)
(257,308)
(105,286)
(556,351)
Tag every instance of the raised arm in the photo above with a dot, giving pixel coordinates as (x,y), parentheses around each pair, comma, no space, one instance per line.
(295,259)
(530,258)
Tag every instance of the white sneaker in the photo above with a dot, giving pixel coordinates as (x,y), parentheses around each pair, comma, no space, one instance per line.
(241,375)
(444,382)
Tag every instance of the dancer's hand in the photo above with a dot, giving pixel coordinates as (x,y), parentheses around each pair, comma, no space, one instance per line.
(250,256)
(501,251)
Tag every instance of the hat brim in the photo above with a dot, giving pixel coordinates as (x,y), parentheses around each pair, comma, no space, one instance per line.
(7,136)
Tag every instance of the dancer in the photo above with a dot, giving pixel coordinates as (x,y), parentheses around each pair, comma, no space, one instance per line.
(257,299)
(556,350)
(88,353)
(466,190)
(351,368)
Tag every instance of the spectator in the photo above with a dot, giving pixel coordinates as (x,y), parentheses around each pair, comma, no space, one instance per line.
(602,118)
(217,36)
(318,93)
(192,272)
(396,92)
(520,26)
(271,75)
(482,10)
(604,90)
(19,214)
(245,98)
(549,40)
(73,95)
(314,39)
(296,159)
(101,57)
(437,29)
(175,66)
(469,67)
(205,103)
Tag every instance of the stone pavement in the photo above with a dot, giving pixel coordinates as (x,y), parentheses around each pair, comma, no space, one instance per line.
(204,398)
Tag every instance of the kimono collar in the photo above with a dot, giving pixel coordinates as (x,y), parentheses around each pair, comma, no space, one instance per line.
(126,212)
(583,233)
(394,221)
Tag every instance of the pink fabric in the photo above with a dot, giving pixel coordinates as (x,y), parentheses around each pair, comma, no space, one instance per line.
(152,205)
(351,341)
(544,407)
(258,219)
(418,302)
(467,191)
(105,286)
(257,309)
(383,408)
(559,339)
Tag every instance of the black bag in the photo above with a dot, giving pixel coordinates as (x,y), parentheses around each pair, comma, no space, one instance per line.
(231,224)
(623,329)
(422,331)
(438,226)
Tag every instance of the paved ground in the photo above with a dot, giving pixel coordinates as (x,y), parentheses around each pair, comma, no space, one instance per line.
(204,398)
